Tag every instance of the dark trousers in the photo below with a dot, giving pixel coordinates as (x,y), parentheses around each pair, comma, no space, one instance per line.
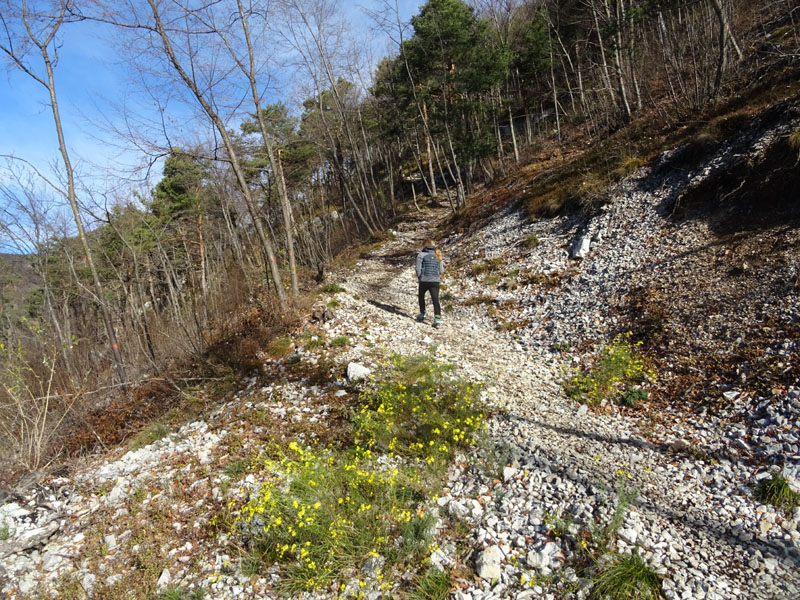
(433,288)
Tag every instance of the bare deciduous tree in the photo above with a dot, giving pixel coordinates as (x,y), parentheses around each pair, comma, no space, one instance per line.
(35,33)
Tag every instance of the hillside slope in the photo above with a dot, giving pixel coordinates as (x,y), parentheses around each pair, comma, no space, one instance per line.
(672,257)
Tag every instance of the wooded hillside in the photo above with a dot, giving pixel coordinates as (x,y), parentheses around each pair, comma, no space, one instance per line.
(139,289)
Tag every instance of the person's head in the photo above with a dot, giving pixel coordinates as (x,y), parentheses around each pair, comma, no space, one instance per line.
(432,244)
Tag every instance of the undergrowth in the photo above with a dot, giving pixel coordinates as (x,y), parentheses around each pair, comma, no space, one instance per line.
(613,575)
(179,594)
(322,512)
(617,370)
(332,288)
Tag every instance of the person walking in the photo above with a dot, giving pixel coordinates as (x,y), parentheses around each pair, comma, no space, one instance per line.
(429,270)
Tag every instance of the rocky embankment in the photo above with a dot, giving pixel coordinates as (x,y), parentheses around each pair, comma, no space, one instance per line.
(521,312)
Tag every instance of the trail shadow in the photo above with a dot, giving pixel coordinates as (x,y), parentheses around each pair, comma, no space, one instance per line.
(671,506)
(597,437)
(402,257)
(390,308)
(665,449)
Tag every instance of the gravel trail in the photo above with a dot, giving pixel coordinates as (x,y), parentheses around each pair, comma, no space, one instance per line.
(554,471)
(693,520)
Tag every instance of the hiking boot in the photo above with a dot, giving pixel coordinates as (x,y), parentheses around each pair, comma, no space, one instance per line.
(437,321)
(421,317)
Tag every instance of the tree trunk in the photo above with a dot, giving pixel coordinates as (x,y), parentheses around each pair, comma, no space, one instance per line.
(73,203)
(266,245)
(618,62)
(428,149)
(606,74)
(513,134)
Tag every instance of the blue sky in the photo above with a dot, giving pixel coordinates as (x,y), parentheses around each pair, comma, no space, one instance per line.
(91,82)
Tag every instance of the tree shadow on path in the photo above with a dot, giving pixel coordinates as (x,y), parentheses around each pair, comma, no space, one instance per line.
(679,511)
(390,308)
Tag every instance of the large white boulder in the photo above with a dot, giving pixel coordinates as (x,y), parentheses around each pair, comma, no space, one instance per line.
(487,565)
(357,372)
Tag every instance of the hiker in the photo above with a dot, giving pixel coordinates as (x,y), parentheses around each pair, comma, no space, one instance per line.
(429,269)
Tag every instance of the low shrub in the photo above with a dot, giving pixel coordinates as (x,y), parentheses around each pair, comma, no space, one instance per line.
(422,413)
(632,397)
(322,512)
(619,363)
(332,288)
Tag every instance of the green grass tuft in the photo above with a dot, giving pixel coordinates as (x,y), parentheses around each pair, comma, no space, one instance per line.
(279,346)
(332,288)
(794,139)
(776,491)
(627,577)
(155,432)
(174,593)
(235,469)
(434,585)
(531,241)
(311,340)
(251,563)
(340,341)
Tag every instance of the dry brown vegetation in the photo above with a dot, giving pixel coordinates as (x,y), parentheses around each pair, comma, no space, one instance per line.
(173,337)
